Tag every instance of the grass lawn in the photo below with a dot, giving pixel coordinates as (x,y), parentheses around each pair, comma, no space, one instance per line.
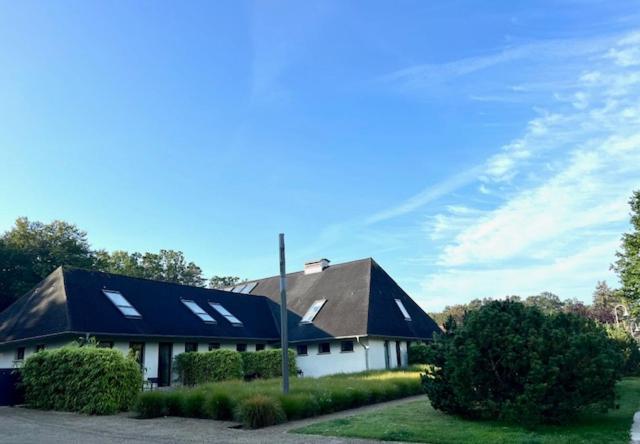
(418,422)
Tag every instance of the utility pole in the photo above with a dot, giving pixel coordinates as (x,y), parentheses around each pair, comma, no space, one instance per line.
(284,336)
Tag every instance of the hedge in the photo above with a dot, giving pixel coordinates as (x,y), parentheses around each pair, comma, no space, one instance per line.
(261,403)
(200,367)
(81,379)
(418,353)
(266,364)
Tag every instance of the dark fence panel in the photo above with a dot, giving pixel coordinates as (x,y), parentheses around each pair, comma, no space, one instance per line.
(10,392)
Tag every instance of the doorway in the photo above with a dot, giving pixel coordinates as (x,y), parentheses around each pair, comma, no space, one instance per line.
(387,364)
(165,350)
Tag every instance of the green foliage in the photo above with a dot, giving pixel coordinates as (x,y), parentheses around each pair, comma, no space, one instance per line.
(418,353)
(260,411)
(308,397)
(511,362)
(628,264)
(81,379)
(202,367)
(166,265)
(222,282)
(266,363)
(629,348)
(32,250)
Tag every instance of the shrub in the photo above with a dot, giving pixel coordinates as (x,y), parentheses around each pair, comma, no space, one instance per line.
(266,364)
(151,405)
(299,405)
(513,362)
(629,348)
(260,411)
(200,367)
(418,353)
(218,405)
(81,379)
(192,404)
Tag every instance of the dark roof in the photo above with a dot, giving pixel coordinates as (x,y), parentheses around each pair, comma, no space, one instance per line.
(71,300)
(360,299)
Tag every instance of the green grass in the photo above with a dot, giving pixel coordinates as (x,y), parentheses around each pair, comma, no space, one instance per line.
(263,399)
(419,422)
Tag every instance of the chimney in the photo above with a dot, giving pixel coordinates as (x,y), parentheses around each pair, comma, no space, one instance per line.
(315,266)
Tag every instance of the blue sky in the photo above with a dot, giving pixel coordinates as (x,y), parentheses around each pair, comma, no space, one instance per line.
(473,151)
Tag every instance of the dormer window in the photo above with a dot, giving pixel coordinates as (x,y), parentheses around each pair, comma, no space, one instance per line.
(313,311)
(122,304)
(404,311)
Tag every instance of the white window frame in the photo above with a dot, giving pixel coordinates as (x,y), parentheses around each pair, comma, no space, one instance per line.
(313,311)
(198,311)
(217,306)
(403,310)
(122,304)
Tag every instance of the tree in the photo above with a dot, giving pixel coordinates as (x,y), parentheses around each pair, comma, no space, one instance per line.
(222,282)
(604,303)
(510,361)
(31,250)
(166,265)
(546,301)
(628,264)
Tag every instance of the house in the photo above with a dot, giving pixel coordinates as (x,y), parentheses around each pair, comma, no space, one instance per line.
(341,318)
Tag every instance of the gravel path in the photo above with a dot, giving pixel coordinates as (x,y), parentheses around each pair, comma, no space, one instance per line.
(22,426)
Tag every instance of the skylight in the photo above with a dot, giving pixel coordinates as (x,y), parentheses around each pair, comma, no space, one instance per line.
(198,311)
(404,311)
(249,287)
(123,305)
(313,311)
(228,316)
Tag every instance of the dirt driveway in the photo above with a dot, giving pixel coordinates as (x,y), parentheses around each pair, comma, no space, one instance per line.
(22,426)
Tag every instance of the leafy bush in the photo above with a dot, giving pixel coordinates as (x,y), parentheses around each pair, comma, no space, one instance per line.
(260,411)
(512,362)
(629,348)
(418,353)
(308,396)
(266,364)
(81,379)
(201,367)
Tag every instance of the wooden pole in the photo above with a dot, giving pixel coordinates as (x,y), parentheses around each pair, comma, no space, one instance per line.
(284,335)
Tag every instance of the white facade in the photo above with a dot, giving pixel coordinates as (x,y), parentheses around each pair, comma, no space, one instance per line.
(367,354)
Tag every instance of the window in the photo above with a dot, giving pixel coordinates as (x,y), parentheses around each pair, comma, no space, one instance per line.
(302,350)
(19,353)
(346,346)
(105,344)
(40,347)
(247,289)
(224,312)
(324,347)
(241,347)
(123,305)
(404,311)
(214,346)
(259,347)
(198,311)
(313,311)
(138,349)
(190,347)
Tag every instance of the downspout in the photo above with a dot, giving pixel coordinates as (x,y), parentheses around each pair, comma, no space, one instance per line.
(366,352)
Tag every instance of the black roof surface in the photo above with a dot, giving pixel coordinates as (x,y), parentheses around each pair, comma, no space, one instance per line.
(360,301)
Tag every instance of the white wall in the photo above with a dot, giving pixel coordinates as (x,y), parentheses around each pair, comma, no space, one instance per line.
(314,364)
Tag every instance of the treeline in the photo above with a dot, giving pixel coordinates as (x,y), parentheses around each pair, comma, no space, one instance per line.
(30,250)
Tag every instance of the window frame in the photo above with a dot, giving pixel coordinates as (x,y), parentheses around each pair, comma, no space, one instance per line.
(403,310)
(222,311)
(260,347)
(192,308)
(20,353)
(190,345)
(214,346)
(320,344)
(123,306)
(41,347)
(306,349)
(241,345)
(140,358)
(342,346)
(311,314)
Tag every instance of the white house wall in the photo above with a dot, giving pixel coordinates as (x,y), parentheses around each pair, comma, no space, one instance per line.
(320,364)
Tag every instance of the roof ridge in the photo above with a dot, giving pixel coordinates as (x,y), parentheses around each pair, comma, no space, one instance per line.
(302,271)
(66,297)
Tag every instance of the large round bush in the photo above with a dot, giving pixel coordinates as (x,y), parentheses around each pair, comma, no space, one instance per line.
(512,362)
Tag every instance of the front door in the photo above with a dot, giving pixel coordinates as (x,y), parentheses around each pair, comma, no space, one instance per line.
(165,350)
